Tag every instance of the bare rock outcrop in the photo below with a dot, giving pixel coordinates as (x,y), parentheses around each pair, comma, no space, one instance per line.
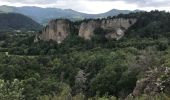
(87,29)
(115,27)
(154,81)
(56,30)
(117,23)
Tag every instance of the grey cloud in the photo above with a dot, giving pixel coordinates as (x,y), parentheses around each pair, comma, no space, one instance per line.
(143,3)
(140,3)
(30,1)
(150,3)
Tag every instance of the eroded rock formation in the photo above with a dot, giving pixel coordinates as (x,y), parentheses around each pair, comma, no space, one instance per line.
(154,82)
(87,29)
(56,30)
(115,27)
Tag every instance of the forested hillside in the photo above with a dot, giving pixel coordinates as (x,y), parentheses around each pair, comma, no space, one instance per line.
(150,24)
(43,15)
(13,21)
(136,67)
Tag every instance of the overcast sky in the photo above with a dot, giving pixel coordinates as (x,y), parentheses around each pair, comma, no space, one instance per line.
(93,6)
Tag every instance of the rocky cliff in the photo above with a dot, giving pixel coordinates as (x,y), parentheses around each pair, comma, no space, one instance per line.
(87,29)
(115,27)
(58,30)
(154,82)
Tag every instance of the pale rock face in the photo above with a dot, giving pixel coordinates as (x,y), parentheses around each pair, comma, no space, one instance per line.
(56,30)
(86,30)
(117,23)
(151,83)
(116,27)
(115,34)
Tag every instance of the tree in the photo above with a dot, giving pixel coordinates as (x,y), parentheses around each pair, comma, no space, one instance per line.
(8,72)
(99,36)
(11,90)
(104,82)
(80,80)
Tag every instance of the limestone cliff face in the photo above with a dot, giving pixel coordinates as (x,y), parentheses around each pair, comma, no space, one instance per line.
(56,30)
(87,29)
(115,27)
(117,23)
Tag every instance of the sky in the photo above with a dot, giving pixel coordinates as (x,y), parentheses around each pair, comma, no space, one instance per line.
(93,6)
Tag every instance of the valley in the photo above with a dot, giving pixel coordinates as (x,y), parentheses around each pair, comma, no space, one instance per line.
(122,57)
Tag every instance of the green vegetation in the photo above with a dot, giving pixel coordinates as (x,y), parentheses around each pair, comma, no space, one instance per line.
(78,69)
(14,21)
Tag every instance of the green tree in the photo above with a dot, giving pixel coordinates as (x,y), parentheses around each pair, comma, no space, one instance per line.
(11,90)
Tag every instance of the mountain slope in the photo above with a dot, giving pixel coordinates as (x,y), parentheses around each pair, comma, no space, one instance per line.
(113,12)
(13,21)
(43,15)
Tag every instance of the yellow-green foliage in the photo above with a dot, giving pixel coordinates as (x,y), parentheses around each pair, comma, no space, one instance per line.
(147,97)
(64,95)
(11,90)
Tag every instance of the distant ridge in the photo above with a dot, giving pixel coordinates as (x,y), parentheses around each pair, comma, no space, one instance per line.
(43,15)
(14,21)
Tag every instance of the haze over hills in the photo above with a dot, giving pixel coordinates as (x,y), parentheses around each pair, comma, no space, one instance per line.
(13,21)
(43,15)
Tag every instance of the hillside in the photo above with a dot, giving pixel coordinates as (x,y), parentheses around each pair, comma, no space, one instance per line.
(43,15)
(133,67)
(139,24)
(109,28)
(13,21)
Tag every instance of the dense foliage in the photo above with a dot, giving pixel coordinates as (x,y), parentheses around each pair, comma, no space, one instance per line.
(99,69)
